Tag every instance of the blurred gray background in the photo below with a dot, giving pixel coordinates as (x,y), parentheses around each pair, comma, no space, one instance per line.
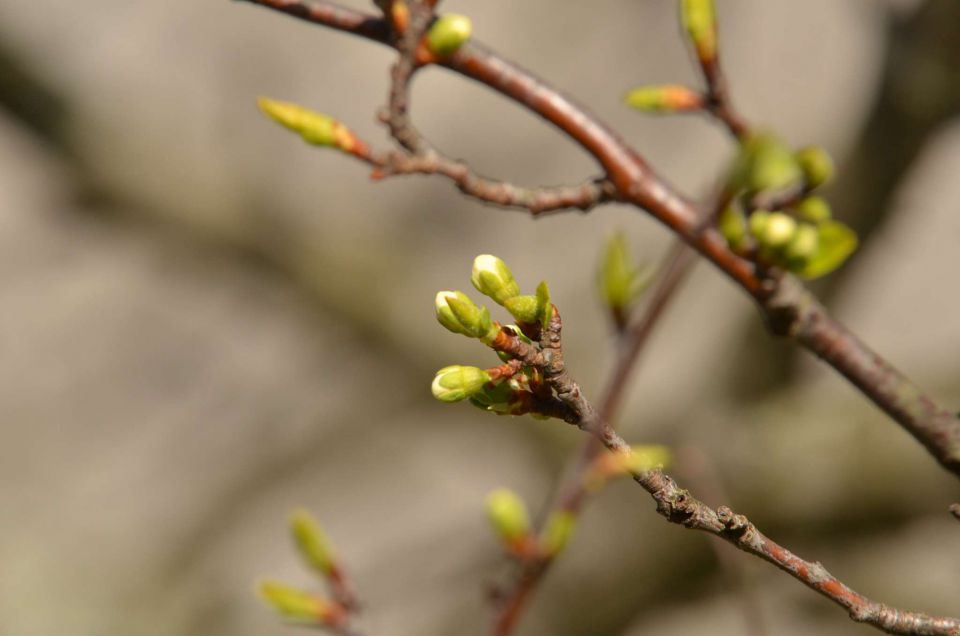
(207,323)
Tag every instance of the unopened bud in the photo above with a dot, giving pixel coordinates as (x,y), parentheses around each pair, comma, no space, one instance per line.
(508,515)
(803,245)
(455,383)
(459,314)
(296,604)
(733,226)
(312,542)
(523,308)
(558,532)
(778,231)
(664,99)
(448,34)
(816,164)
(700,20)
(493,278)
(315,128)
(814,209)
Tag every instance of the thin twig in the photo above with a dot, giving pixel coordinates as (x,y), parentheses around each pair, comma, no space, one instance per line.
(955,511)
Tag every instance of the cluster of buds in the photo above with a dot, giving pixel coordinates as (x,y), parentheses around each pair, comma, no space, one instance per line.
(509,387)
(309,608)
(511,525)
(798,234)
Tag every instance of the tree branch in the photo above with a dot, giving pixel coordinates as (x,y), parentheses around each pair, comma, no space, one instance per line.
(572,494)
(788,307)
(681,507)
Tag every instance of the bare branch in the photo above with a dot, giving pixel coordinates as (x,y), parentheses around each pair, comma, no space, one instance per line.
(955,511)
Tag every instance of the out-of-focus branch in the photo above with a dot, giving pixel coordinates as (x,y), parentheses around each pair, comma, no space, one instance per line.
(955,511)
(788,307)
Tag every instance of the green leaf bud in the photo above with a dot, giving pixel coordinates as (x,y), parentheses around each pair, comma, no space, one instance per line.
(295,604)
(508,516)
(523,308)
(493,278)
(758,223)
(646,457)
(544,307)
(764,163)
(699,18)
(802,247)
(455,383)
(620,281)
(448,34)
(312,542)
(814,209)
(459,314)
(816,164)
(733,225)
(315,128)
(664,99)
(558,532)
(498,398)
(836,242)
(778,230)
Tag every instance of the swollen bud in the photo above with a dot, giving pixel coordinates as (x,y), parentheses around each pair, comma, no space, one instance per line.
(459,314)
(312,542)
(802,246)
(814,209)
(558,532)
(448,34)
(315,128)
(508,515)
(493,278)
(816,164)
(700,21)
(455,383)
(523,308)
(296,604)
(664,99)
(733,225)
(778,230)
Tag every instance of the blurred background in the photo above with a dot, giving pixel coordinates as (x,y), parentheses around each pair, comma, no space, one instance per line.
(207,323)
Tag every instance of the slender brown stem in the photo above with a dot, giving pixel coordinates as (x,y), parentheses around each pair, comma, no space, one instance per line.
(955,511)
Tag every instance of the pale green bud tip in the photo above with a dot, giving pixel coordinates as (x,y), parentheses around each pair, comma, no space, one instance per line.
(448,34)
(312,541)
(816,164)
(804,243)
(779,230)
(315,128)
(445,314)
(733,226)
(663,99)
(455,383)
(493,278)
(700,20)
(293,603)
(508,515)
(558,532)
(616,273)
(814,209)
(523,308)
